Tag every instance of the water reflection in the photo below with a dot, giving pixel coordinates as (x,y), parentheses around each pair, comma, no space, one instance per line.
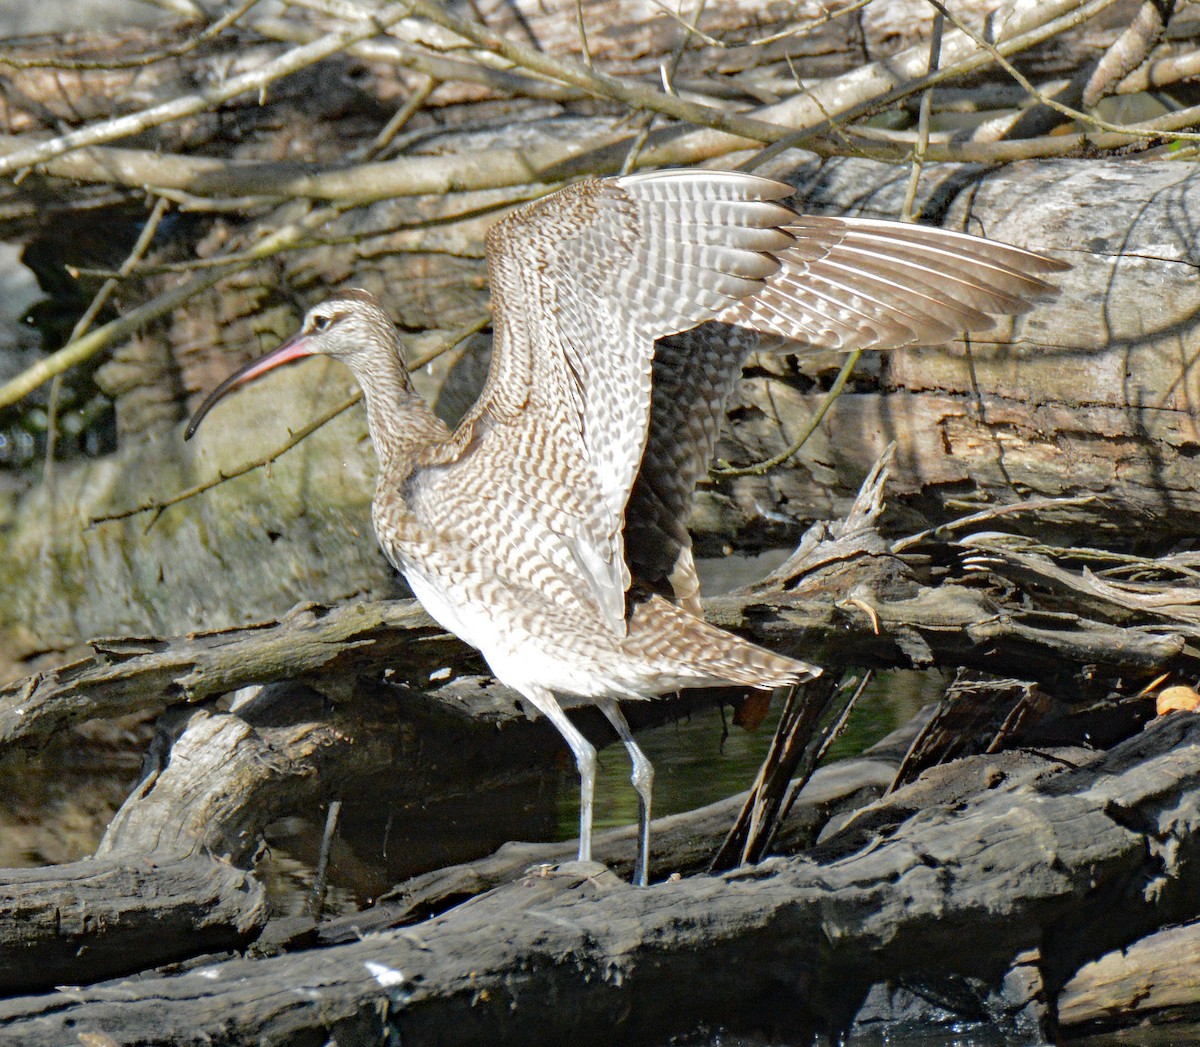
(705,758)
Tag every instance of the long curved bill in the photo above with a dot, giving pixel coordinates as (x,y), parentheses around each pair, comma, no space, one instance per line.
(293,349)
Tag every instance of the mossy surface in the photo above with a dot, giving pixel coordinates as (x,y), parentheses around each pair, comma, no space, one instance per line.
(246,550)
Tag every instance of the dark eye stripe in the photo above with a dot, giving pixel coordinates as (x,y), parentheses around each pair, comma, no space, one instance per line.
(322,322)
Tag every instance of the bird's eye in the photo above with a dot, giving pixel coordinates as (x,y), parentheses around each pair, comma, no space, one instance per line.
(320,322)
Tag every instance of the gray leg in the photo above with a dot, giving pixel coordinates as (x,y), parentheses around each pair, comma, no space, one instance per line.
(585,760)
(643,783)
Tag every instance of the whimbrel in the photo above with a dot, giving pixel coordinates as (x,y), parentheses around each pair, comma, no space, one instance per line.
(548,529)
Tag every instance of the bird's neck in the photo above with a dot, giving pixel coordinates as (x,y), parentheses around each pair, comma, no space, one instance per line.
(404,430)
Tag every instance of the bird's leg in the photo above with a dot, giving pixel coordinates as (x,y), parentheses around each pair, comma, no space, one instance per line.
(585,760)
(643,783)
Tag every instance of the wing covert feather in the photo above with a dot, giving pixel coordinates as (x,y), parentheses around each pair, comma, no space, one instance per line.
(586,280)
(583,284)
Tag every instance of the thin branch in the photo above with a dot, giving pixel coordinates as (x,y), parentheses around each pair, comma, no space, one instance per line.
(140,61)
(1023,24)
(722,471)
(440,67)
(81,325)
(922,143)
(254,254)
(881,144)
(145,238)
(636,96)
(298,437)
(1129,51)
(80,349)
(256,80)
(581,26)
(1030,505)
(800,29)
(398,121)
(1052,103)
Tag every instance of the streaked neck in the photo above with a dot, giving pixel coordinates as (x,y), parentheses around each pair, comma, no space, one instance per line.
(404,430)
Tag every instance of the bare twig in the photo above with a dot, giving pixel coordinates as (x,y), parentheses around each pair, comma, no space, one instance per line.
(208,98)
(1023,24)
(1130,49)
(140,61)
(880,144)
(798,29)
(1031,505)
(398,121)
(80,349)
(441,67)
(1052,103)
(922,142)
(723,471)
(85,321)
(253,254)
(636,96)
(298,437)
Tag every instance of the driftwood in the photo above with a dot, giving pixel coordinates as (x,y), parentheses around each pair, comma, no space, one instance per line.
(231,775)
(1153,978)
(218,778)
(1051,857)
(1001,883)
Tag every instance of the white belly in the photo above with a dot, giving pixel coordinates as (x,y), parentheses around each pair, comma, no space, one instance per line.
(514,656)
(466,621)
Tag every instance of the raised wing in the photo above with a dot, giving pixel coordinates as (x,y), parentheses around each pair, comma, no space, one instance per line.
(583,283)
(694,374)
(861,283)
(586,280)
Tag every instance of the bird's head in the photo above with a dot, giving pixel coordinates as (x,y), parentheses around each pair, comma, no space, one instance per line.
(350,326)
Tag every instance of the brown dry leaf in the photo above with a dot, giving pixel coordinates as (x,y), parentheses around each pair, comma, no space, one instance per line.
(752,710)
(1177,699)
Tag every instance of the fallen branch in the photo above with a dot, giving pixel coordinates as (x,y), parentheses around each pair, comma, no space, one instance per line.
(963,889)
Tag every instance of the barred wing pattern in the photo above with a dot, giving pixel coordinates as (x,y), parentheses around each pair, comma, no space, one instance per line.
(860,283)
(695,372)
(585,282)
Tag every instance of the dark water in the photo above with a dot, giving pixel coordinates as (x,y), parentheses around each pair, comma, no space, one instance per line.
(705,758)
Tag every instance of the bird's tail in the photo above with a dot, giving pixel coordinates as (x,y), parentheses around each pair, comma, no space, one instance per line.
(691,652)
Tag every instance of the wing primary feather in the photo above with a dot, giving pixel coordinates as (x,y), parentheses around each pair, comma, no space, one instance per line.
(587,280)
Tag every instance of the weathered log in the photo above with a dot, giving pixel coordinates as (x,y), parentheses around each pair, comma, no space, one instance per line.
(1154,980)
(199,815)
(1061,844)
(216,781)
(104,918)
(843,602)
(683,844)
